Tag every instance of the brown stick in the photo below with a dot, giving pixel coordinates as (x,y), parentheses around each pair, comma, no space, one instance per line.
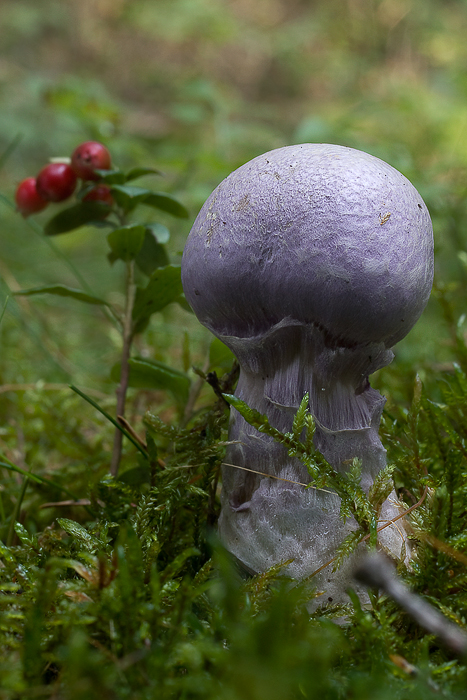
(376,572)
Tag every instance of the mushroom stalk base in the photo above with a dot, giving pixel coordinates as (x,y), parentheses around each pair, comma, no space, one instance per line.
(265,521)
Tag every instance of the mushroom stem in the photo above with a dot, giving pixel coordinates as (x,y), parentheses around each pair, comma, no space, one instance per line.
(263,519)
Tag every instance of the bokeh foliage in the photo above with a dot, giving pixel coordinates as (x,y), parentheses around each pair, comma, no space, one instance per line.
(127,595)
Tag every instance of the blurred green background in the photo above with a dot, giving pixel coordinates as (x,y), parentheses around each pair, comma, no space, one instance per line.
(196,88)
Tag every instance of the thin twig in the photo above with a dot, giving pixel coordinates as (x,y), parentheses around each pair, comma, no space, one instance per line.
(123,421)
(65,504)
(441,546)
(375,571)
(278,478)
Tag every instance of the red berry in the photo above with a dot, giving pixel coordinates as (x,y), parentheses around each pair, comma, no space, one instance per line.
(56,182)
(100,193)
(88,157)
(27,198)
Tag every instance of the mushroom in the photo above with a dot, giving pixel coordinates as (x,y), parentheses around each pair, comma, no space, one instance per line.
(309,262)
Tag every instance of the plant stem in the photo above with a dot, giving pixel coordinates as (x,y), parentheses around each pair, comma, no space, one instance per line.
(127,333)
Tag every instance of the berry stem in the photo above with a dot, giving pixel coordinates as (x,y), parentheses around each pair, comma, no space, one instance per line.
(127,335)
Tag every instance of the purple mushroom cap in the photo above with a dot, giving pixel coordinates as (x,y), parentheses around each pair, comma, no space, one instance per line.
(315,233)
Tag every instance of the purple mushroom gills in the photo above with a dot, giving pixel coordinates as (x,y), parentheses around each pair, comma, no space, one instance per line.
(310,263)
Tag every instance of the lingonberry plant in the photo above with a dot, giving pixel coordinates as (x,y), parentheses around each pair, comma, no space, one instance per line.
(100,193)
(105,193)
(56,182)
(27,198)
(89,157)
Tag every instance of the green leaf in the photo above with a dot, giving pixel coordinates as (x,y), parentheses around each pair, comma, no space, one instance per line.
(111,177)
(165,202)
(129,196)
(161,233)
(299,418)
(381,487)
(139,172)
(149,374)
(151,254)
(75,216)
(164,286)
(62,291)
(126,242)
(258,420)
(81,535)
(310,428)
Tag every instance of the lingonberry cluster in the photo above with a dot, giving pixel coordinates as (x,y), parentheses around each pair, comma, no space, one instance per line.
(57,181)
